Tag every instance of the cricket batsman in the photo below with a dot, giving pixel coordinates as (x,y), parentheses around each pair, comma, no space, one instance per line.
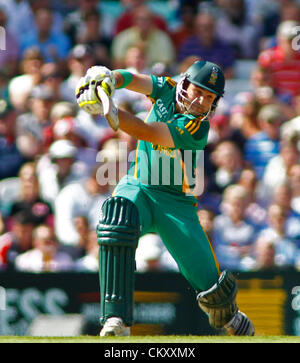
(144,202)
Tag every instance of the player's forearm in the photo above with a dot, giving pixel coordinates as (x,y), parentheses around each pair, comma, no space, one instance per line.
(136,82)
(157,133)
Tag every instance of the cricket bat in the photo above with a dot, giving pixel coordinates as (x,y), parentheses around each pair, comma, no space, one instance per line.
(110,111)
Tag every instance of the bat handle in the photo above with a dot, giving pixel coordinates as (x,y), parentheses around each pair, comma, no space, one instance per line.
(110,111)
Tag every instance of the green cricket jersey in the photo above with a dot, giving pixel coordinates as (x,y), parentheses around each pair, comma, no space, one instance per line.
(170,169)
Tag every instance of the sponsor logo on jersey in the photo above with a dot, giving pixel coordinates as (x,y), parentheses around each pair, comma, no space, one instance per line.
(161,108)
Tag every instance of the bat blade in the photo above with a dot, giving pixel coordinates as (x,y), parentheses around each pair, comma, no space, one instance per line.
(110,111)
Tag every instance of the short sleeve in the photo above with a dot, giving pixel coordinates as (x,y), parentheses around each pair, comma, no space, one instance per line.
(188,134)
(157,85)
(161,85)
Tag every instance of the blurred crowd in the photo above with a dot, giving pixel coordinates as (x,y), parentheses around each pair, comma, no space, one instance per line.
(54,156)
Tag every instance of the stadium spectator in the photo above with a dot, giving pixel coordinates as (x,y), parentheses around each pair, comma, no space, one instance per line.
(17,240)
(206,217)
(290,130)
(266,96)
(66,129)
(233,234)
(21,85)
(261,86)
(52,77)
(45,255)
(243,114)
(288,10)
(89,262)
(134,61)
(296,105)
(57,18)
(62,170)
(58,111)
(285,250)
(186,29)
(10,52)
(228,161)
(264,145)
(221,130)
(79,60)
(283,62)
(11,156)
(78,199)
(263,255)
(152,255)
(206,45)
(32,125)
(74,21)
(235,26)
(19,16)
(158,45)
(95,39)
(277,169)
(81,225)
(148,253)
(209,198)
(255,210)
(259,78)
(127,17)
(282,196)
(294,182)
(94,128)
(184,65)
(29,200)
(62,109)
(54,45)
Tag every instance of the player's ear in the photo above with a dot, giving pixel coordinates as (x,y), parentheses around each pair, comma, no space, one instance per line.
(214,105)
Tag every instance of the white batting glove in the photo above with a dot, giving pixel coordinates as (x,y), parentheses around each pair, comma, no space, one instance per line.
(86,90)
(103,76)
(87,99)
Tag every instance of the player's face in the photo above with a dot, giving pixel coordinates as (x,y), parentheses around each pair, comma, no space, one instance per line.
(201,100)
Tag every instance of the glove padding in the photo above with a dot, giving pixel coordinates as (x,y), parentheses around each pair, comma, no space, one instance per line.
(87,99)
(86,90)
(103,76)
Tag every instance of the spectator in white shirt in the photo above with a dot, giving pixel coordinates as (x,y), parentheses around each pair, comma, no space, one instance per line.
(78,199)
(276,171)
(294,180)
(89,262)
(234,234)
(61,170)
(45,255)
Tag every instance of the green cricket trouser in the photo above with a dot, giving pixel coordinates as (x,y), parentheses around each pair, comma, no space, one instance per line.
(177,223)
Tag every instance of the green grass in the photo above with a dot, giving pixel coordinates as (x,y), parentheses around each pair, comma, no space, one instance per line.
(152,339)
